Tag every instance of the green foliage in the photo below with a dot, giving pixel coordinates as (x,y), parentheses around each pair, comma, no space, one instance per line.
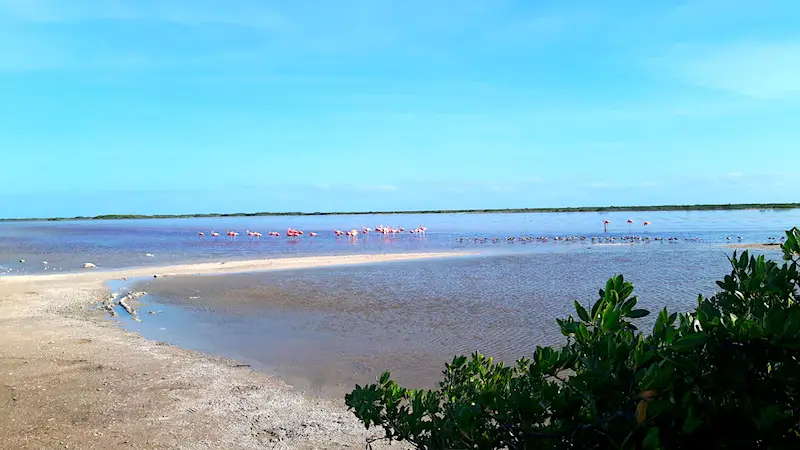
(791,248)
(718,207)
(724,376)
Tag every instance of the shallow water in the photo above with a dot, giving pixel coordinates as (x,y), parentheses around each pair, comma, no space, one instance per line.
(326,329)
(66,246)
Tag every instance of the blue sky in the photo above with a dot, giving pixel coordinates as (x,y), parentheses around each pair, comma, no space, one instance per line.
(178,106)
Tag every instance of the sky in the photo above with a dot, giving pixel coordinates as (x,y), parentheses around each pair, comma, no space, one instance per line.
(185,106)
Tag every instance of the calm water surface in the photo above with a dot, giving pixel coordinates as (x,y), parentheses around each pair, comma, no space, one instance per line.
(115,244)
(327,329)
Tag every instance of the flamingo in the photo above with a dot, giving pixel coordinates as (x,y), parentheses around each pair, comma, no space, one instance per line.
(646,223)
(200,233)
(605,225)
(312,234)
(214,233)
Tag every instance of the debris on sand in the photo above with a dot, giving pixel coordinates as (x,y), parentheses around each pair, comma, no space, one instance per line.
(129,309)
(108,304)
(131,296)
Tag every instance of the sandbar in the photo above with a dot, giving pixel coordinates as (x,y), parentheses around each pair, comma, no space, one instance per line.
(70,378)
(774,246)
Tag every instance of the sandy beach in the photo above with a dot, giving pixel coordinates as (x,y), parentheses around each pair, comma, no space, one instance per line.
(773,246)
(70,378)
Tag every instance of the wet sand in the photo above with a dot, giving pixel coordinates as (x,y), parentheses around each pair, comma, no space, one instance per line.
(69,378)
(772,246)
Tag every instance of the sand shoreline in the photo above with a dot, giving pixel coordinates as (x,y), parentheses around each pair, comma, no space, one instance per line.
(769,246)
(229,267)
(70,378)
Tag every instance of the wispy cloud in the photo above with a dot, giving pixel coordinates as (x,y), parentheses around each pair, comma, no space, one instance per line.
(195,12)
(761,70)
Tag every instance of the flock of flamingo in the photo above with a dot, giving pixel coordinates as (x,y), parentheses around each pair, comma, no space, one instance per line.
(355,232)
(421,231)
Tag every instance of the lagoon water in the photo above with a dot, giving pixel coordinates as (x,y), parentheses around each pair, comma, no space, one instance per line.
(326,329)
(126,243)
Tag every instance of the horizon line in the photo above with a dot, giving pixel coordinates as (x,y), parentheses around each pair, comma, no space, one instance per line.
(567,209)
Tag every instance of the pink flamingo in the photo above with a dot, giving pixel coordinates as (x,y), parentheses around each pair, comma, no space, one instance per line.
(293,233)
(200,233)
(630,221)
(605,225)
(214,233)
(312,234)
(646,223)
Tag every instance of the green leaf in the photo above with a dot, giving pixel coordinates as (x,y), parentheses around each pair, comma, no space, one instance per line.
(689,342)
(581,312)
(651,440)
(692,421)
(611,320)
(638,313)
(597,304)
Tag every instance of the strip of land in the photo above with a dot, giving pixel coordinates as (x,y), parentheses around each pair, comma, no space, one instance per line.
(223,267)
(643,208)
(70,378)
(767,246)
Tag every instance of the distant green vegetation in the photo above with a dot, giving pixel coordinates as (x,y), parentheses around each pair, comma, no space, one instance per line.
(729,206)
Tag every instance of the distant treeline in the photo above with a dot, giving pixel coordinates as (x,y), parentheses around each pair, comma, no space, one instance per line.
(730,206)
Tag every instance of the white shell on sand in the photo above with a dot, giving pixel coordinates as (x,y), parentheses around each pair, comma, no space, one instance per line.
(88,265)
